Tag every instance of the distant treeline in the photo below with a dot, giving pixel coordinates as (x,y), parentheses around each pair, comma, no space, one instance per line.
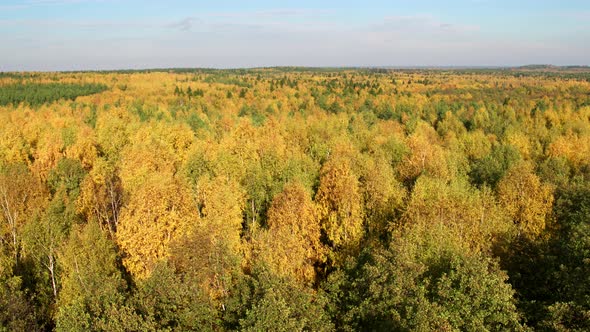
(569,72)
(36,94)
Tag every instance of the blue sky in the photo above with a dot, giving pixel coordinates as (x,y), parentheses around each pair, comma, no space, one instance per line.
(111,34)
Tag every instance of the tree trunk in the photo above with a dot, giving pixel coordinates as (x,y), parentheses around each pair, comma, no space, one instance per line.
(51,268)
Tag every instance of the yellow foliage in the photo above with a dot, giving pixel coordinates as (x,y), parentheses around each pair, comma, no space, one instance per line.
(161,209)
(382,195)
(471,214)
(526,199)
(101,195)
(222,202)
(113,130)
(14,147)
(211,248)
(155,148)
(373,147)
(84,149)
(339,205)
(477,144)
(575,148)
(291,245)
(21,196)
(521,142)
(426,155)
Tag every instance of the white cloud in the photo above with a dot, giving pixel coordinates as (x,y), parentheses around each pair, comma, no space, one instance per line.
(185,24)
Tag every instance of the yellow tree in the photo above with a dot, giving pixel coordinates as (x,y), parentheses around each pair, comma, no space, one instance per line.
(161,209)
(476,145)
(160,205)
(211,249)
(14,147)
(112,131)
(526,199)
(521,141)
(291,246)
(471,214)
(221,203)
(154,148)
(382,194)
(20,195)
(339,206)
(576,148)
(426,155)
(84,148)
(101,195)
(44,134)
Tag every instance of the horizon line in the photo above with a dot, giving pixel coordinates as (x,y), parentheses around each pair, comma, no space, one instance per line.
(386,67)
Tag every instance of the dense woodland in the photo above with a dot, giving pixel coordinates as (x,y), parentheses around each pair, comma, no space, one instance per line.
(290,199)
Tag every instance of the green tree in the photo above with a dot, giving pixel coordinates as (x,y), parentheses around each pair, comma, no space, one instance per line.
(491,168)
(423,282)
(17,313)
(91,284)
(278,304)
(551,274)
(44,236)
(472,214)
(168,302)
(383,197)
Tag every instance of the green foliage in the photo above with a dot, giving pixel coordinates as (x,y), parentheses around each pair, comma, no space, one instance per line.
(91,117)
(36,94)
(266,179)
(279,304)
(92,285)
(166,302)
(423,281)
(17,313)
(146,112)
(67,175)
(491,168)
(256,115)
(196,123)
(552,276)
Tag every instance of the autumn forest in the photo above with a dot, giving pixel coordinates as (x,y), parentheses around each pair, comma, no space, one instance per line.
(295,199)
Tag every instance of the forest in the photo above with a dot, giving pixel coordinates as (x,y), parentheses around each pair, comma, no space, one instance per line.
(295,199)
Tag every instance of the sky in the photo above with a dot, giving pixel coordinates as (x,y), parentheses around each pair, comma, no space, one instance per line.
(48,35)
